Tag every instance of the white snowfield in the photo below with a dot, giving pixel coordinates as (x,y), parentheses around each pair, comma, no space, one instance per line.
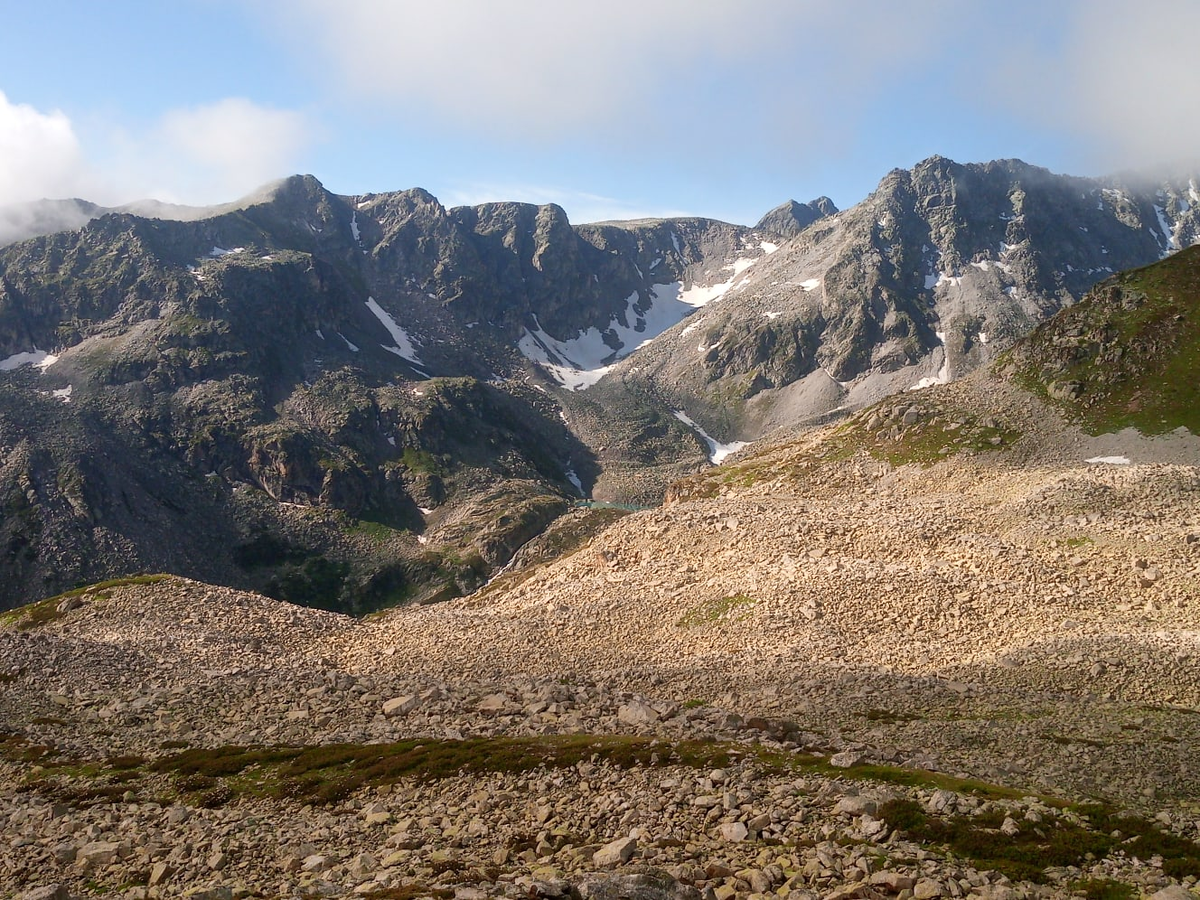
(579,362)
(943,375)
(404,346)
(1109,460)
(33,357)
(716,450)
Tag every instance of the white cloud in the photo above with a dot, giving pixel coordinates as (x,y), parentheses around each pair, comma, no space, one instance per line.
(41,153)
(1128,80)
(581,206)
(1112,82)
(201,155)
(615,70)
(224,149)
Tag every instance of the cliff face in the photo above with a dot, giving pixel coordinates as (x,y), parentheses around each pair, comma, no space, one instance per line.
(939,269)
(372,399)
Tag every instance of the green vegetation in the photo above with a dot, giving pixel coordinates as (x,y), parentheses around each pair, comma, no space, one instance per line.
(1067,839)
(376,531)
(45,611)
(1103,889)
(329,773)
(17,748)
(326,774)
(887,717)
(933,437)
(712,610)
(422,461)
(316,583)
(917,778)
(1126,355)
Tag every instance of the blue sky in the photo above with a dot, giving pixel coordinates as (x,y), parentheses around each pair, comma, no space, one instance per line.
(614,109)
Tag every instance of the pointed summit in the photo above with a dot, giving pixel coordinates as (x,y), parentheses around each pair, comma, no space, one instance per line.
(789,219)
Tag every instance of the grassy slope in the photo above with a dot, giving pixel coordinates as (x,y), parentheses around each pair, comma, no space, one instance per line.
(1127,355)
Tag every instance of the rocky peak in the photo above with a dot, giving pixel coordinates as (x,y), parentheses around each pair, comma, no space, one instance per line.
(790,218)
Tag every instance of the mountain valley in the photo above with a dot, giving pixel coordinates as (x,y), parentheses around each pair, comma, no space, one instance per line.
(928,630)
(358,402)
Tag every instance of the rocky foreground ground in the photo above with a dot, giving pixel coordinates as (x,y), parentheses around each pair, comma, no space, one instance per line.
(821,676)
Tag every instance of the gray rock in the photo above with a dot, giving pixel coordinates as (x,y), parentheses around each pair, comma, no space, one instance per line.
(401,706)
(637,712)
(219,892)
(855,806)
(98,853)
(892,882)
(1173,892)
(636,887)
(615,853)
(847,759)
(48,892)
(734,832)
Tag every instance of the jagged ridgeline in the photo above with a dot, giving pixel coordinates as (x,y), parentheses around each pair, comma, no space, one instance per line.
(354,402)
(234,398)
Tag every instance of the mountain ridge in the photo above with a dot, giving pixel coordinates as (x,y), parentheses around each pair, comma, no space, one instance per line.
(312,358)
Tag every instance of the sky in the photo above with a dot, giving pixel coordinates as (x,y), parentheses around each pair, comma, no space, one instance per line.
(614,109)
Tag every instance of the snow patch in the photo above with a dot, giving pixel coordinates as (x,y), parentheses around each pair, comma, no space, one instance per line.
(580,361)
(1109,460)
(983,337)
(771,315)
(63,394)
(404,346)
(943,375)
(811,284)
(716,450)
(1193,192)
(216,252)
(352,347)
(34,357)
(831,377)
(1168,234)
(768,248)
(738,266)
(574,479)
(320,334)
(354,233)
